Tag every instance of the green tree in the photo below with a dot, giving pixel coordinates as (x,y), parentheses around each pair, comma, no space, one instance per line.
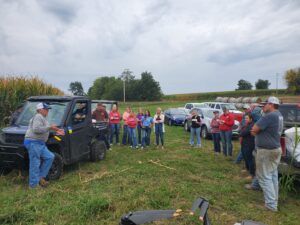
(76,88)
(244,85)
(262,84)
(292,79)
(149,88)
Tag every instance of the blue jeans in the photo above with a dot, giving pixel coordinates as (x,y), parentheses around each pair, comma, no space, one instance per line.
(139,134)
(195,131)
(115,130)
(132,136)
(267,162)
(159,133)
(239,157)
(125,139)
(40,162)
(146,133)
(226,142)
(216,139)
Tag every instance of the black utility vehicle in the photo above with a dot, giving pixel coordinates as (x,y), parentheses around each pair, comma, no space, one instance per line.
(81,139)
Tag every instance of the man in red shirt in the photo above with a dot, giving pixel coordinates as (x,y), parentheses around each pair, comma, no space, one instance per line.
(226,124)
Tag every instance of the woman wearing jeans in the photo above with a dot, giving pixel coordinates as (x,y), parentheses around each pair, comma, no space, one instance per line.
(114,121)
(159,119)
(226,124)
(147,123)
(195,129)
(215,131)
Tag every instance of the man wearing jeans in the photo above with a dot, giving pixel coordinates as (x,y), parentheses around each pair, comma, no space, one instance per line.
(226,123)
(40,158)
(267,132)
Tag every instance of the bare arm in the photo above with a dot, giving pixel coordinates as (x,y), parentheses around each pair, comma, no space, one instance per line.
(255,130)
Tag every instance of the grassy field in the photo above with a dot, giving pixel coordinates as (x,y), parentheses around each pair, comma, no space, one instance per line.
(100,193)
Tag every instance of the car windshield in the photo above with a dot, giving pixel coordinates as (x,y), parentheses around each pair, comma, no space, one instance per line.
(55,114)
(228,106)
(178,111)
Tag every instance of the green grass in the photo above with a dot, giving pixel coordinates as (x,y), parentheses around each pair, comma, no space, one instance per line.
(100,193)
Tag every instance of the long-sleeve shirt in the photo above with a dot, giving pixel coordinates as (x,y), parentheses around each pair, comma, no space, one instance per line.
(215,124)
(159,118)
(131,121)
(38,128)
(125,115)
(114,117)
(228,122)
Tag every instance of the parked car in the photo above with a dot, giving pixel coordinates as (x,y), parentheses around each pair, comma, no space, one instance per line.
(175,116)
(107,103)
(238,115)
(291,114)
(206,115)
(189,106)
(79,142)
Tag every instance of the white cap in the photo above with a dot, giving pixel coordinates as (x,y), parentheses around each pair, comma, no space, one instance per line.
(42,105)
(272,100)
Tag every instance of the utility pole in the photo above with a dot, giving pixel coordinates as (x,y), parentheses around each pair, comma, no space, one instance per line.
(124,76)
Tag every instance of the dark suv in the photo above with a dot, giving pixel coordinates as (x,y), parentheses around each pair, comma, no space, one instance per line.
(81,139)
(291,114)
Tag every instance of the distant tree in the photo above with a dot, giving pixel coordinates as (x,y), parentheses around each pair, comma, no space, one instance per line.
(262,84)
(244,85)
(292,79)
(76,88)
(149,88)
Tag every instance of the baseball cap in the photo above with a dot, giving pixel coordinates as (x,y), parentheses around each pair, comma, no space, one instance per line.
(271,100)
(42,105)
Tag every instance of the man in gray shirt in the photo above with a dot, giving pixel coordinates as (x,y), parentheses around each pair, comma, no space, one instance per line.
(267,131)
(35,142)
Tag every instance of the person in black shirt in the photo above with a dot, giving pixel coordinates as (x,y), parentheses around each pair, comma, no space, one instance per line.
(195,129)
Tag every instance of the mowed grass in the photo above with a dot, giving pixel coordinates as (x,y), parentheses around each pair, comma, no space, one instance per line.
(127,180)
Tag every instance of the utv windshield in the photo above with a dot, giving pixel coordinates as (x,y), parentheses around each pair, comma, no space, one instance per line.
(55,114)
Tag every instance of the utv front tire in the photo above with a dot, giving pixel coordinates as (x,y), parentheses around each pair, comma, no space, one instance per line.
(57,167)
(4,171)
(98,151)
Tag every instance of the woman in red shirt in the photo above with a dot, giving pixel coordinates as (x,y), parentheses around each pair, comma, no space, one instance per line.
(226,124)
(131,126)
(114,121)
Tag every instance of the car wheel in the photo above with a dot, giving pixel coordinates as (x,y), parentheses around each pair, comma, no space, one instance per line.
(204,133)
(56,169)
(4,171)
(186,126)
(98,151)
(170,122)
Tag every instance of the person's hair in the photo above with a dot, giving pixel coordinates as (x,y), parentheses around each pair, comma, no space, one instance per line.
(147,112)
(115,105)
(250,116)
(99,104)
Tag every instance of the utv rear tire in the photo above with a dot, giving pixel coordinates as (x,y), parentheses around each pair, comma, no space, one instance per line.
(98,151)
(56,169)
(4,171)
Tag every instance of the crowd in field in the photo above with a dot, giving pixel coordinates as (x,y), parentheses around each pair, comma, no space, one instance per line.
(260,132)
(136,127)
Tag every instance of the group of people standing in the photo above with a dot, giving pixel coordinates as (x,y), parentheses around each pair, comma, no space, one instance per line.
(260,132)
(136,127)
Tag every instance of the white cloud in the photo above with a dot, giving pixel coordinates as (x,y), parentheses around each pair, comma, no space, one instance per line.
(189,46)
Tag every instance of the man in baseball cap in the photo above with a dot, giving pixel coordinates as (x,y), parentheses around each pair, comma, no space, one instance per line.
(40,158)
(267,131)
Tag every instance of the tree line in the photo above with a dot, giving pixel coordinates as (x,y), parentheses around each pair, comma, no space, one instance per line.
(111,87)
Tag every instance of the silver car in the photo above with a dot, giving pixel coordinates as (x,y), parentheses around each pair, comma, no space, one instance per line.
(206,115)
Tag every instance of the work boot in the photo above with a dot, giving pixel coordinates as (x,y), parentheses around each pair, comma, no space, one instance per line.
(43,182)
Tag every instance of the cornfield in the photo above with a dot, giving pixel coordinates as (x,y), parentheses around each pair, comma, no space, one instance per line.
(15,90)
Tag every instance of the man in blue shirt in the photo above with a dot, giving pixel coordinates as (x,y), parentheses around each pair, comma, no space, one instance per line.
(267,131)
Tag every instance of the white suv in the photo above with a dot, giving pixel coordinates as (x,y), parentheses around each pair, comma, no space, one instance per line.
(189,106)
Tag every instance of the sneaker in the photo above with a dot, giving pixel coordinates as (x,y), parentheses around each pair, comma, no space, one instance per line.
(111,144)
(162,147)
(270,209)
(43,182)
(142,147)
(198,146)
(110,149)
(137,147)
(130,146)
(250,187)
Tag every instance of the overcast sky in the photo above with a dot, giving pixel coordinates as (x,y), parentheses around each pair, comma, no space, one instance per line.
(189,46)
